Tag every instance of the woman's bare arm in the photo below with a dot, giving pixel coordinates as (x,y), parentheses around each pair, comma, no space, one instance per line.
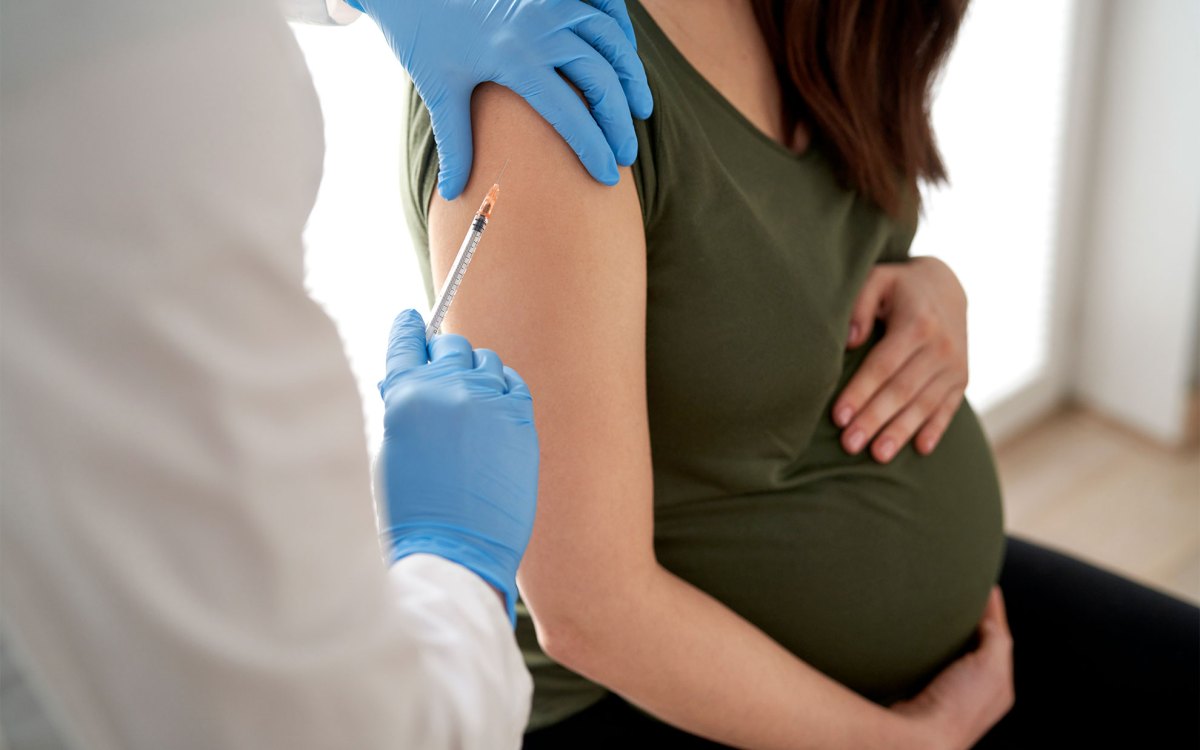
(558,288)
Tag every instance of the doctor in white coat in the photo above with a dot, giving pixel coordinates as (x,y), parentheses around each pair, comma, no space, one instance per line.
(188,552)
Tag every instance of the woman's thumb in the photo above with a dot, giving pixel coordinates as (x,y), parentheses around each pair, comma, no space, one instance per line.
(867,306)
(994,612)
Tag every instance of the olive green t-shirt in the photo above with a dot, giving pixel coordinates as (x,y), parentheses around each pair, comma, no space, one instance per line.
(875,574)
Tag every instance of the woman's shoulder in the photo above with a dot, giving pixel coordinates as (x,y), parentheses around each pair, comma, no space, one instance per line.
(421,164)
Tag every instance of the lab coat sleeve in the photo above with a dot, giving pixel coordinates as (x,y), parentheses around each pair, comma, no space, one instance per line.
(324,12)
(188,552)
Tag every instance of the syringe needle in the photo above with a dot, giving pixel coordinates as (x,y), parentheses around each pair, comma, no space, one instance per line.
(502,171)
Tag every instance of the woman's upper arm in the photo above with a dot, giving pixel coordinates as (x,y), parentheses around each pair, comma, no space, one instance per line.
(558,289)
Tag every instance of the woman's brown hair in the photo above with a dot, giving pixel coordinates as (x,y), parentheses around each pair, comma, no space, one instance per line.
(859,73)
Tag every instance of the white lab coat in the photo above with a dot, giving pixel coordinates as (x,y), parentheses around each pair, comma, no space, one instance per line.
(188,553)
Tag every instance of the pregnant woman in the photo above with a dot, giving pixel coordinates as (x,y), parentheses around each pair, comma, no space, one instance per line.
(713,560)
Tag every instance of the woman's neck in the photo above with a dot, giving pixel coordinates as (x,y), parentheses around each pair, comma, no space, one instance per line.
(722,40)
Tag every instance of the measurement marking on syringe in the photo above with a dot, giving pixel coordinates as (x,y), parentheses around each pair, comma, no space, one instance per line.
(466,252)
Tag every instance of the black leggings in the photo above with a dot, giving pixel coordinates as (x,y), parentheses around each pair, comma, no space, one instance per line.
(1098,662)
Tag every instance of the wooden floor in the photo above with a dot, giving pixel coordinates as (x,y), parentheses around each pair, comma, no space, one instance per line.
(1088,487)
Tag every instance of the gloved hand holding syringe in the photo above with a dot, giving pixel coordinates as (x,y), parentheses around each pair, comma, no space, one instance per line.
(458,468)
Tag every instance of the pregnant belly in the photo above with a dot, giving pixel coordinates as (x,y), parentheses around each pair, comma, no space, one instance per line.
(874,574)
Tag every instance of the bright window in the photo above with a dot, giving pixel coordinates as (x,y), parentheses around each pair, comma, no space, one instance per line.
(999,116)
(360,261)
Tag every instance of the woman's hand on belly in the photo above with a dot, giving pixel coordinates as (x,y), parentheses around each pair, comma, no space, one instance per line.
(972,694)
(915,377)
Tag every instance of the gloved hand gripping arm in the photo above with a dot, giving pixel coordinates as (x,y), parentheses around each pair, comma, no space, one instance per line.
(458,469)
(449,47)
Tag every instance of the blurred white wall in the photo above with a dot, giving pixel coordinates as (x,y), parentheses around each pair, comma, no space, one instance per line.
(1195,380)
(1000,120)
(1139,267)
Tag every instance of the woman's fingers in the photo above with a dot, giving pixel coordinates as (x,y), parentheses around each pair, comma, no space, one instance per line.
(893,379)
(872,302)
(892,351)
(993,611)
(938,399)
(996,644)
(974,692)
(923,308)
(931,433)
(915,374)
(996,649)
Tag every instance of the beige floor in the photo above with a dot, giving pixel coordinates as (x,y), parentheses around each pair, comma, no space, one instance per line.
(1088,487)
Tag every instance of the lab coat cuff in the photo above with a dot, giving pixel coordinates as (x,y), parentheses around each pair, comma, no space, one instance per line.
(465,556)
(341,12)
(320,12)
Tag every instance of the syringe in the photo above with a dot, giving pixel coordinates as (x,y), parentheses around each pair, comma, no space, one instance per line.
(463,259)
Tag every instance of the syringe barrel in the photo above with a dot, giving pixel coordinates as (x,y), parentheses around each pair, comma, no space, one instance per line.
(450,288)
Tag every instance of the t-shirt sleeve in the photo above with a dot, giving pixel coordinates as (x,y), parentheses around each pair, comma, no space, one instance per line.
(645,168)
(419,181)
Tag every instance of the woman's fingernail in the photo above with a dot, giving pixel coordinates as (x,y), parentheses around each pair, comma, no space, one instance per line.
(853,332)
(843,415)
(854,442)
(887,447)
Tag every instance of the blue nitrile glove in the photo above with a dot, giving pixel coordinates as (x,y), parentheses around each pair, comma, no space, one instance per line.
(458,469)
(449,47)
